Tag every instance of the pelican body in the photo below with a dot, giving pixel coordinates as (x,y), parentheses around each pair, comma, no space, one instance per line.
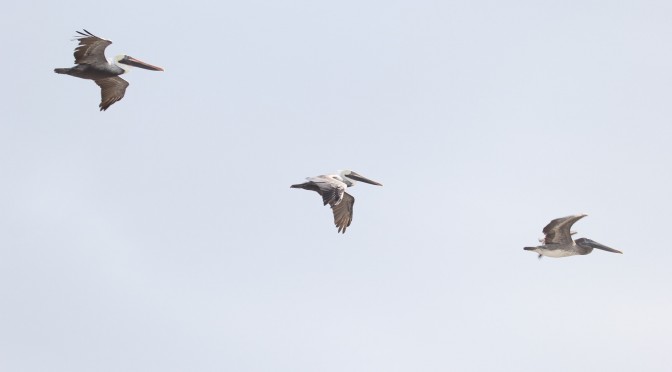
(558,240)
(91,64)
(332,189)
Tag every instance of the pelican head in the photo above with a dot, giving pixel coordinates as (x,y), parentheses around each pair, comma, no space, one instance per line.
(350,178)
(126,62)
(587,243)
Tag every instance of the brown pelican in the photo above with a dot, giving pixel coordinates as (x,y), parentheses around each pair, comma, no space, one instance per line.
(332,189)
(558,240)
(91,64)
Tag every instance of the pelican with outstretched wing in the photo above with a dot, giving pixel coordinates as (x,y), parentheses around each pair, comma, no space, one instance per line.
(558,242)
(91,64)
(332,189)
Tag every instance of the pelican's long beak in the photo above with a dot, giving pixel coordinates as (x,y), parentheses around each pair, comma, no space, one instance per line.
(358,177)
(128,60)
(597,245)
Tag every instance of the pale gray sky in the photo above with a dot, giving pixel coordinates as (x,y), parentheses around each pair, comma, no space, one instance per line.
(162,235)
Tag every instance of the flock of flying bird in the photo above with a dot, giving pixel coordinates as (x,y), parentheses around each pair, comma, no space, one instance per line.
(91,64)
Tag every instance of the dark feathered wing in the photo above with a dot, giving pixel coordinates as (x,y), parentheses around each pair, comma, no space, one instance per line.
(333,194)
(91,48)
(331,190)
(558,230)
(111,90)
(343,212)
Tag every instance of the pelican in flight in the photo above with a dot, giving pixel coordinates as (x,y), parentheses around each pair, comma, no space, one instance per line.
(558,242)
(332,189)
(91,64)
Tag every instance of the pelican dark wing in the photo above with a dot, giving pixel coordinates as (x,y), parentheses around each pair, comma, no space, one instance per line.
(558,230)
(343,212)
(111,90)
(91,49)
(333,193)
(330,189)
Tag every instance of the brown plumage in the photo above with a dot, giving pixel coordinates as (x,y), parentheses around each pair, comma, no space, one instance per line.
(558,230)
(111,90)
(91,49)
(91,64)
(340,202)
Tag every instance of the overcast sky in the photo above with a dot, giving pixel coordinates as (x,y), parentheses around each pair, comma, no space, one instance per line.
(162,235)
